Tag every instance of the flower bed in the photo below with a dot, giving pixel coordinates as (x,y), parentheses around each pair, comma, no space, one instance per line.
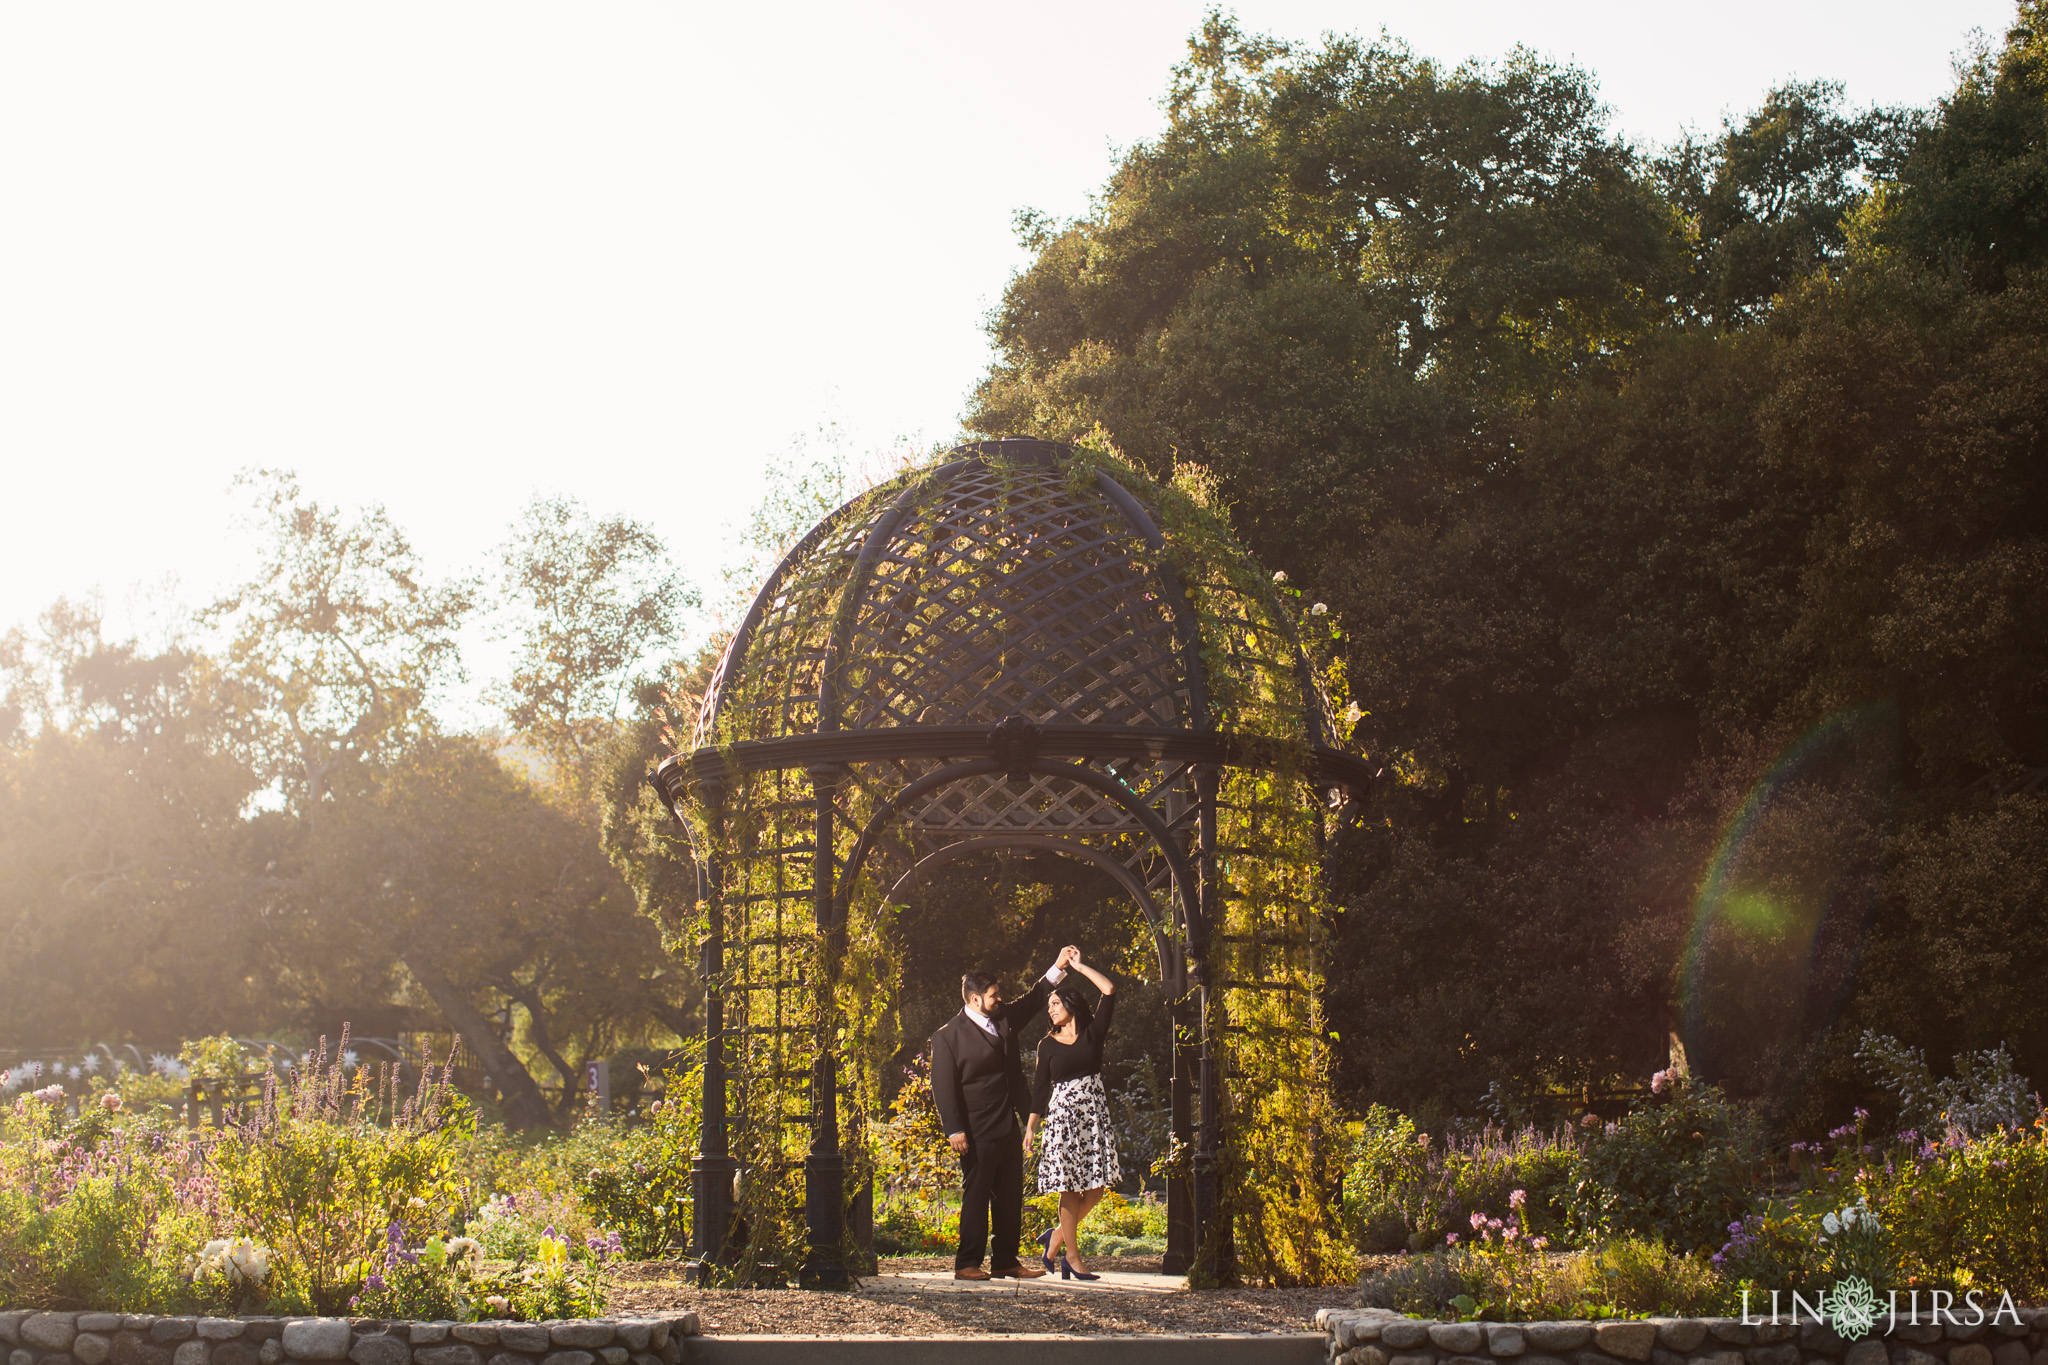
(34,1338)
(1374,1336)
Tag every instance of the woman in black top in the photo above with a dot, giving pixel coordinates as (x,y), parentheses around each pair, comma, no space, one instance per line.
(1079,1159)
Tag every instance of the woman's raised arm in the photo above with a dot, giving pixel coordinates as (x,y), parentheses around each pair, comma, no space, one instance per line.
(1098,1027)
(1097,979)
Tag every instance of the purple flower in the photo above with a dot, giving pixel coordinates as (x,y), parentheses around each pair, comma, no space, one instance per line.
(1862,1114)
(375,1284)
(1518,1199)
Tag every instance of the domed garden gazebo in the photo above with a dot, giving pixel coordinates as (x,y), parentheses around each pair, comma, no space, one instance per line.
(1028,647)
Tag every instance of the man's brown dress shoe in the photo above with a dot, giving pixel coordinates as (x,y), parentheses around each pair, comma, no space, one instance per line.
(973,1272)
(1019,1272)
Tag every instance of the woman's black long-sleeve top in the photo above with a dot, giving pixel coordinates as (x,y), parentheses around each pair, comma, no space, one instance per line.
(1058,1061)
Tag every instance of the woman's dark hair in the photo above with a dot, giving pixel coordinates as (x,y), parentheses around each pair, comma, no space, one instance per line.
(1070,995)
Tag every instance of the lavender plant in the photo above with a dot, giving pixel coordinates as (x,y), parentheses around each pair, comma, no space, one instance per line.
(327,1163)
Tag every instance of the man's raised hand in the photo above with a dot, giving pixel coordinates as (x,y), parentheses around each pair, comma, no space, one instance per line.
(1069,955)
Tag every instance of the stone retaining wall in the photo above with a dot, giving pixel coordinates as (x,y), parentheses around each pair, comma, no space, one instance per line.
(1376,1336)
(31,1338)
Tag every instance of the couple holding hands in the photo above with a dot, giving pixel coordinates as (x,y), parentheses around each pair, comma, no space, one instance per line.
(979,1087)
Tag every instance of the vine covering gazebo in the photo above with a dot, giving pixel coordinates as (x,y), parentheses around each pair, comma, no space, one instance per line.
(1030,647)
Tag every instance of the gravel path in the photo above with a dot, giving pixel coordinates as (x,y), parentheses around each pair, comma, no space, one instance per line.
(1005,1307)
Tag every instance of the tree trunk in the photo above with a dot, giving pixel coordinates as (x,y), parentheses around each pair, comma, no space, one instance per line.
(537,1032)
(524,1106)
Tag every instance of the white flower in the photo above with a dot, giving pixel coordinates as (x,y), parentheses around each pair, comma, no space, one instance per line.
(466,1252)
(1353,713)
(1319,609)
(1280,576)
(250,1261)
(1831,1223)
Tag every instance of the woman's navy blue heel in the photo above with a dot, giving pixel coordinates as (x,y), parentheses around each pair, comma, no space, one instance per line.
(1045,1249)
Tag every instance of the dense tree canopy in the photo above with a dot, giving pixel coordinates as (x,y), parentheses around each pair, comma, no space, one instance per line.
(1684,516)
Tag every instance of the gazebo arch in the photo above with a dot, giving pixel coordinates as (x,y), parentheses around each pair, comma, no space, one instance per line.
(1005,650)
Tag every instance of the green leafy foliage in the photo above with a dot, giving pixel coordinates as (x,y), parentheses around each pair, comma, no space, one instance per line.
(1679,1171)
(327,1166)
(1406,1190)
(338,1192)
(429,1280)
(635,1179)
(1946,1210)
(1971,1214)
(98,1215)
(1500,1281)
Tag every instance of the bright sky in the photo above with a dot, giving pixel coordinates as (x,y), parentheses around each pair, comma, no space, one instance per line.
(448,255)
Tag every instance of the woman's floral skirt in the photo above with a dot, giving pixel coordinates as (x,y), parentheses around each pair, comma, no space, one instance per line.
(1079,1151)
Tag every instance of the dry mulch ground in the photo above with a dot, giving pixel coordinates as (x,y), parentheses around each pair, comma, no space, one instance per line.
(1031,1307)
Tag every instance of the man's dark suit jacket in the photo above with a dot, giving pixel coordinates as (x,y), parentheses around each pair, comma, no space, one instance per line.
(976,1080)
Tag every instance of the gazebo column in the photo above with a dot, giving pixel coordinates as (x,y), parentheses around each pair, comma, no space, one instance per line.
(711,1174)
(824,1165)
(1213,1240)
(1180,1207)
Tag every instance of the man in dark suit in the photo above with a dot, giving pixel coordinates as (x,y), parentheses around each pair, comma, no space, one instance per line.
(982,1094)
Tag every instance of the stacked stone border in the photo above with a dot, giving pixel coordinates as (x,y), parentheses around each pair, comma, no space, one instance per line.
(1377,1336)
(33,1338)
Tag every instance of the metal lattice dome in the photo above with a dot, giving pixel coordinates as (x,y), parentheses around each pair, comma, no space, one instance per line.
(1015,583)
